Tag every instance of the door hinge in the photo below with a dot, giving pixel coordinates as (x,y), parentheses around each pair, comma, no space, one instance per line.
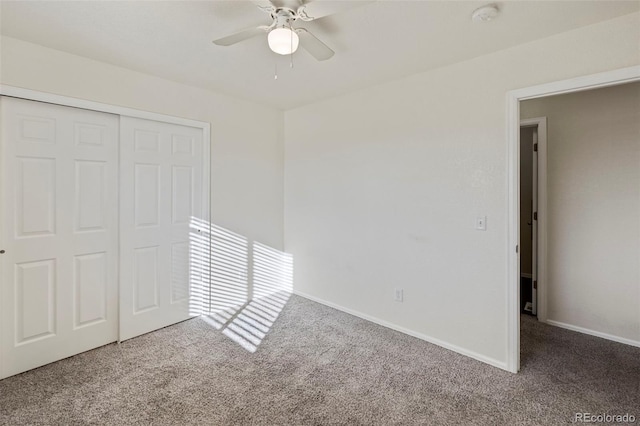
(535,285)
(535,215)
(535,147)
(516,249)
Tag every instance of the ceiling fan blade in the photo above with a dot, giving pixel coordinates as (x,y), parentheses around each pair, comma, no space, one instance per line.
(240,36)
(321,8)
(265,5)
(315,47)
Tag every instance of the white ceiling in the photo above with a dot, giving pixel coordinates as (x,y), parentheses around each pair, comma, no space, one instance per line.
(374,43)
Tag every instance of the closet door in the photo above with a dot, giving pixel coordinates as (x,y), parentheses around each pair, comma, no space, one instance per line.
(161,208)
(58,293)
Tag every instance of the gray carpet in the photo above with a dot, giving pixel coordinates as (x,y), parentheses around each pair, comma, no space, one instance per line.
(318,366)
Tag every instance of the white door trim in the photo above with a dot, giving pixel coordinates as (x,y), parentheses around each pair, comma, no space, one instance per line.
(34,95)
(609,78)
(541,124)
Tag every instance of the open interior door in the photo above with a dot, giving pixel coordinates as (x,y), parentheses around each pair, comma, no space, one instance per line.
(534,230)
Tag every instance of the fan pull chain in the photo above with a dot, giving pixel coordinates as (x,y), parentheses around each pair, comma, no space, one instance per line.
(291,55)
(275,77)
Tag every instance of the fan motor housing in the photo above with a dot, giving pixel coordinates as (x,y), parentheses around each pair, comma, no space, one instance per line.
(283,16)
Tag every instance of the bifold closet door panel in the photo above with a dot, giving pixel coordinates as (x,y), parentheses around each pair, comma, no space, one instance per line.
(161,173)
(58,294)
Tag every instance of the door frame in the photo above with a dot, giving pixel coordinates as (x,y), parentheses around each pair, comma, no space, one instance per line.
(541,245)
(513,98)
(34,95)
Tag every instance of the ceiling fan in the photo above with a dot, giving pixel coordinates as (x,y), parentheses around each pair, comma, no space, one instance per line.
(282,37)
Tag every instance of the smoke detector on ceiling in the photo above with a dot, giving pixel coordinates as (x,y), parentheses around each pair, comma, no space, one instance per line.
(485,13)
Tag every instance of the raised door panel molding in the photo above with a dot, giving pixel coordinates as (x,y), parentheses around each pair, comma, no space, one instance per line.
(182,194)
(37,129)
(90,289)
(90,197)
(145,285)
(146,141)
(36,197)
(35,301)
(179,272)
(147,195)
(182,144)
(89,135)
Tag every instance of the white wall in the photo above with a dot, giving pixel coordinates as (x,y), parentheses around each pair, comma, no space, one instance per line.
(246,138)
(382,187)
(593,217)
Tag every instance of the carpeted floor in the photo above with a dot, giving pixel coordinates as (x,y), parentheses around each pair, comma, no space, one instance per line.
(318,366)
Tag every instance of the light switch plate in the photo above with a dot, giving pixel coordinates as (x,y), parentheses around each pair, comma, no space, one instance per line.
(481,223)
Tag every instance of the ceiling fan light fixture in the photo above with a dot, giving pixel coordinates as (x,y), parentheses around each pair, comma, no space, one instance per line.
(283,41)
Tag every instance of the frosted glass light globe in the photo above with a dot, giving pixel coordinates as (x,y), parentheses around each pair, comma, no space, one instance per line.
(283,41)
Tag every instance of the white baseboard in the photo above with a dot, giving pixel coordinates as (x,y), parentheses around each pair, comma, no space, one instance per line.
(433,340)
(526,275)
(593,333)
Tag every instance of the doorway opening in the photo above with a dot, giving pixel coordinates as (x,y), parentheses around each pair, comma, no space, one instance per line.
(514,98)
(533,149)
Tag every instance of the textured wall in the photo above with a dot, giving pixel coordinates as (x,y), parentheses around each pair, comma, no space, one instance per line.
(382,188)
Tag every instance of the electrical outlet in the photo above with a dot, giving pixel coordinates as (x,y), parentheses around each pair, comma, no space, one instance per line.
(398,295)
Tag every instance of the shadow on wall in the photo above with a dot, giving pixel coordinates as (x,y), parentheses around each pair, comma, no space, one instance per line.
(237,286)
